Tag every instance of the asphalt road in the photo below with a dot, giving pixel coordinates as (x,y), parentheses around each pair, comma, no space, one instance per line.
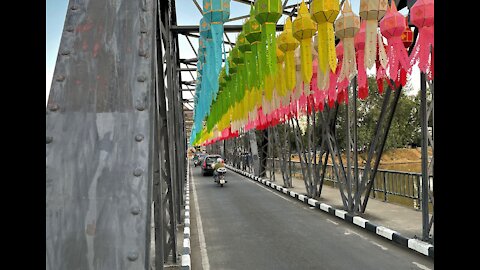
(245,225)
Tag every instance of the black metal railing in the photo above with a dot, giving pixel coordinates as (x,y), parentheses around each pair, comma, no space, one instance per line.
(388,185)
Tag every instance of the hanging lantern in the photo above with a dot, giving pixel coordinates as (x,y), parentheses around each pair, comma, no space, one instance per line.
(407,36)
(346,27)
(245,47)
(267,13)
(362,72)
(216,12)
(253,34)
(324,13)
(338,93)
(288,43)
(421,15)
(381,64)
(303,30)
(371,11)
(392,27)
(280,85)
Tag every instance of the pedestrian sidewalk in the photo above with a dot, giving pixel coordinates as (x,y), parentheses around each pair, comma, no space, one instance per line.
(406,221)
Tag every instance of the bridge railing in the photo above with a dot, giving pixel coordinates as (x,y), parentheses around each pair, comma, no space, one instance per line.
(389,185)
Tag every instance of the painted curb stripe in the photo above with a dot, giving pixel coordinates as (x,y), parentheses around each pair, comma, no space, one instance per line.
(360,221)
(371,227)
(325,207)
(419,246)
(385,232)
(349,217)
(186,261)
(340,213)
(400,239)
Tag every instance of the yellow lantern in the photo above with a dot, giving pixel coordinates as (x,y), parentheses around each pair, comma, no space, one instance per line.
(287,43)
(303,30)
(371,11)
(324,13)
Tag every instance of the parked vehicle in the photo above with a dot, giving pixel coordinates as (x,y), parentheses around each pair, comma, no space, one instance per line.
(208,162)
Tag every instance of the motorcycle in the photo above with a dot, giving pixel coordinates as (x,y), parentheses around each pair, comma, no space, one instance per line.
(220,177)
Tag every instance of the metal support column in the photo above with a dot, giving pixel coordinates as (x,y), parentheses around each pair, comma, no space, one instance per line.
(99,138)
(425,189)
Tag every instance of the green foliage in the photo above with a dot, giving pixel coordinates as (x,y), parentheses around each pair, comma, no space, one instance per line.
(405,128)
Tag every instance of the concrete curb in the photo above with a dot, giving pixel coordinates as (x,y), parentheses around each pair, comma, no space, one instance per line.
(411,243)
(186,262)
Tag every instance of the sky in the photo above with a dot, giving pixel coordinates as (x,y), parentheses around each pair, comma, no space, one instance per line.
(189,15)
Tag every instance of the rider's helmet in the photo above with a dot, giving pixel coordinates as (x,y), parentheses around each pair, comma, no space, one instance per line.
(219,160)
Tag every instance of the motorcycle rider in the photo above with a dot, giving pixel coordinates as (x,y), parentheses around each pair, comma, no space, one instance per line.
(220,164)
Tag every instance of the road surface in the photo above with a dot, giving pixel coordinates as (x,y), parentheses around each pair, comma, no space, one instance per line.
(245,225)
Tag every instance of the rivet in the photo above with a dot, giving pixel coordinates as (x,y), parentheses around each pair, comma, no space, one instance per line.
(74,7)
(135,210)
(53,107)
(140,106)
(69,28)
(132,255)
(138,171)
(142,53)
(60,78)
(49,139)
(141,78)
(65,52)
(143,31)
(139,138)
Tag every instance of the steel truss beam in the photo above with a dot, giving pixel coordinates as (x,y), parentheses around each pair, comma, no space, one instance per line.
(264,153)
(427,166)
(187,29)
(329,120)
(100,126)
(172,207)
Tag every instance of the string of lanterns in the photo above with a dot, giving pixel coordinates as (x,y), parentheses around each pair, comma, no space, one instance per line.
(268,79)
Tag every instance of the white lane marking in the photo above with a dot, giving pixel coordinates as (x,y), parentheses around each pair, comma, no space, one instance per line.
(267,189)
(421,266)
(332,221)
(201,236)
(348,232)
(377,244)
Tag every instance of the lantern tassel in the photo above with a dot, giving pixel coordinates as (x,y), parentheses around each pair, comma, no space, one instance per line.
(370,43)
(421,51)
(362,76)
(349,67)
(398,57)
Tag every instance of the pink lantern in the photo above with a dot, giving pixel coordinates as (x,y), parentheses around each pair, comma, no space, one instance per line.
(381,64)
(392,27)
(421,15)
(362,72)
(338,91)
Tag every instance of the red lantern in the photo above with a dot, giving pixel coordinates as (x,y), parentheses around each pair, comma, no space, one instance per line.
(392,27)
(421,15)
(362,72)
